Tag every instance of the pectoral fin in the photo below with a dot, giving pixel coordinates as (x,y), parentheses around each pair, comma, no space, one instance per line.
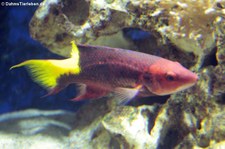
(124,95)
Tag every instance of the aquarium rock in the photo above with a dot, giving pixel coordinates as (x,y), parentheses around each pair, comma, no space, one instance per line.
(32,129)
(177,124)
(104,126)
(190,32)
(189,25)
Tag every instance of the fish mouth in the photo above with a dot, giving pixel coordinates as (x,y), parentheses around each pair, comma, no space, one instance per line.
(186,86)
(159,90)
(173,90)
(189,83)
(191,78)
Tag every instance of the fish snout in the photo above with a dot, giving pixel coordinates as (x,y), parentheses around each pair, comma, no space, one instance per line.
(192,78)
(188,80)
(195,77)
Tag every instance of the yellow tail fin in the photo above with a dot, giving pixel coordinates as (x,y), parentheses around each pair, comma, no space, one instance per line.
(46,72)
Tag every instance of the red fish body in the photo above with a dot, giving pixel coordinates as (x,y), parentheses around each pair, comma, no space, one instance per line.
(126,73)
(106,68)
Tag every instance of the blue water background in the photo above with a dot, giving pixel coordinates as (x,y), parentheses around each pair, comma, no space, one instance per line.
(17,90)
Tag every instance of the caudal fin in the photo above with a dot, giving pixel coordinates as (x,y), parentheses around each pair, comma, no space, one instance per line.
(47,72)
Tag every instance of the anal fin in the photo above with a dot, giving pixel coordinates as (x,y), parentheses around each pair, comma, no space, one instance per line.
(54,91)
(89,92)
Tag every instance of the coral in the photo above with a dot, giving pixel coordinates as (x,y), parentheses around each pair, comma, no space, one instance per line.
(193,118)
(190,22)
(186,23)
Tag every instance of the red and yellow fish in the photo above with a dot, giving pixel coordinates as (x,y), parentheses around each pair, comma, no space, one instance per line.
(99,71)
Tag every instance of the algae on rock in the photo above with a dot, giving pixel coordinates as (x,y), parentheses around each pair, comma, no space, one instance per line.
(193,118)
(187,24)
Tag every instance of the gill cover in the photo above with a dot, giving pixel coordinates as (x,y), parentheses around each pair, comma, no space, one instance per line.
(47,72)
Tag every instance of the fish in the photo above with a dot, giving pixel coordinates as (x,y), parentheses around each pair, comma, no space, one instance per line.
(100,71)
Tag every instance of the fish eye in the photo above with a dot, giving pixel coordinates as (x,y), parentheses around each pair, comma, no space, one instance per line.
(170,76)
